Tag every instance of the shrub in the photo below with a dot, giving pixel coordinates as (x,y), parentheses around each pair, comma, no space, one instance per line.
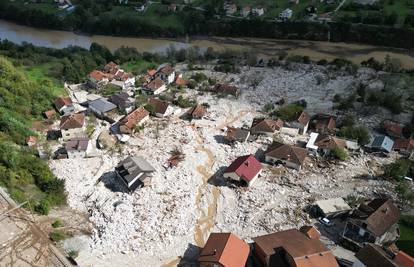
(183,102)
(398,169)
(358,133)
(339,153)
(56,224)
(289,112)
(57,236)
(43,207)
(405,194)
(199,77)
(73,254)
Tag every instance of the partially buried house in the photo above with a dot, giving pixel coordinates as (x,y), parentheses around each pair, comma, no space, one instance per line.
(130,122)
(224,249)
(291,156)
(293,248)
(266,126)
(246,168)
(373,222)
(134,172)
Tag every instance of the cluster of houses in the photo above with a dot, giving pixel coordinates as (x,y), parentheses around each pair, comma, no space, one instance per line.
(371,226)
(245,11)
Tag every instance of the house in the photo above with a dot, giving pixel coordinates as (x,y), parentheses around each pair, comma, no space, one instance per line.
(77,147)
(97,79)
(310,231)
(226,89)
(166,73)
(134,172)
(197,112)
(298,126)
(72,125)
(324,124)
(372,255)
(172,7)
(326,143)
(49,114)
(151,73)
(404,146)
(246,168)
(31,140)
(330,208)
(392,128)
(292,248)
(230,8)
(224,249)
(111,68)
(101,108)
(403,259)
(246,11)
(161,108)
(136,118)
(382,143)
(122,101)
(291,156)
(237,134)
(64,105)
(124,80)
(372,222)
(258,11)
(179,81)
(286,14)
(155,87)
(266,126)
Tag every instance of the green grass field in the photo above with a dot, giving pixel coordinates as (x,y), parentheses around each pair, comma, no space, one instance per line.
(41,73)
(139,66)
(406,241)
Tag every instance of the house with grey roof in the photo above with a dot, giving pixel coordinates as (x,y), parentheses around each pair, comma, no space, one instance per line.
(382,143)
(134,172)
(331,208)
(101,107)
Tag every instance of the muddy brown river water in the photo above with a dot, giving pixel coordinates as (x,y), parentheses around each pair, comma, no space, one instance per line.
(264,47)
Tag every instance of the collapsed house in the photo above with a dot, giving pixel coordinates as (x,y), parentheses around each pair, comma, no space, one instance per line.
(266,126)
(372,222)
(134,172)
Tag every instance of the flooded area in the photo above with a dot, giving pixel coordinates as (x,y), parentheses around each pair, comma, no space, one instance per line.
(264,47)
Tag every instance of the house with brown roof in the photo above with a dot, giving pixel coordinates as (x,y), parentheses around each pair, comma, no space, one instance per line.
(266,126)
(179,81)
(292,248)
(97,79)
(72,125)
(226,89)
(237,134)
(166,73)
(392,128)
(326,143)
(404,146)
(324,123)
(224,249)
(77,147)
(246,168)
(161,108)
(310,231)
(291,156)
(197,112)
(136,118)
(372,222)
(403,259)
(155,87)
(111,68)
(49,114)
(64,105)
(298,126)
(372,255)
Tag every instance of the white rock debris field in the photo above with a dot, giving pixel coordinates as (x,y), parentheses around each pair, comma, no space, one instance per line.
(157,224)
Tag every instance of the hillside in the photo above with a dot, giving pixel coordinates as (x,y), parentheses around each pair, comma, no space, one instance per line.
(26,177)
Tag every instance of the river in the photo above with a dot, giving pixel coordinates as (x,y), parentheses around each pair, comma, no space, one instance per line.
(263,47)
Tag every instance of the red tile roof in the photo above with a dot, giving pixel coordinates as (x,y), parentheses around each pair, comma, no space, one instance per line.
(392,128)
(72,121)
(167,70)
(246,167)
(155,84)
(160,106)
(131,120)
(197,111)
(329,142)
(60,102)
(266,125)
(180,81)
(310,231)
(111,67)
(303,118)
(404,144)
(151,72)
(404,260)
(226,249)
(97,75)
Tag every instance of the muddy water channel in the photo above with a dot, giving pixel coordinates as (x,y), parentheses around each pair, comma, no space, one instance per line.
(265,47)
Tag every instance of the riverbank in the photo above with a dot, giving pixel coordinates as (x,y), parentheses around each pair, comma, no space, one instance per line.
(316,50)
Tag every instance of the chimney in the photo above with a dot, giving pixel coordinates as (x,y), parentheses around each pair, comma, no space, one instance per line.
(247,163)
